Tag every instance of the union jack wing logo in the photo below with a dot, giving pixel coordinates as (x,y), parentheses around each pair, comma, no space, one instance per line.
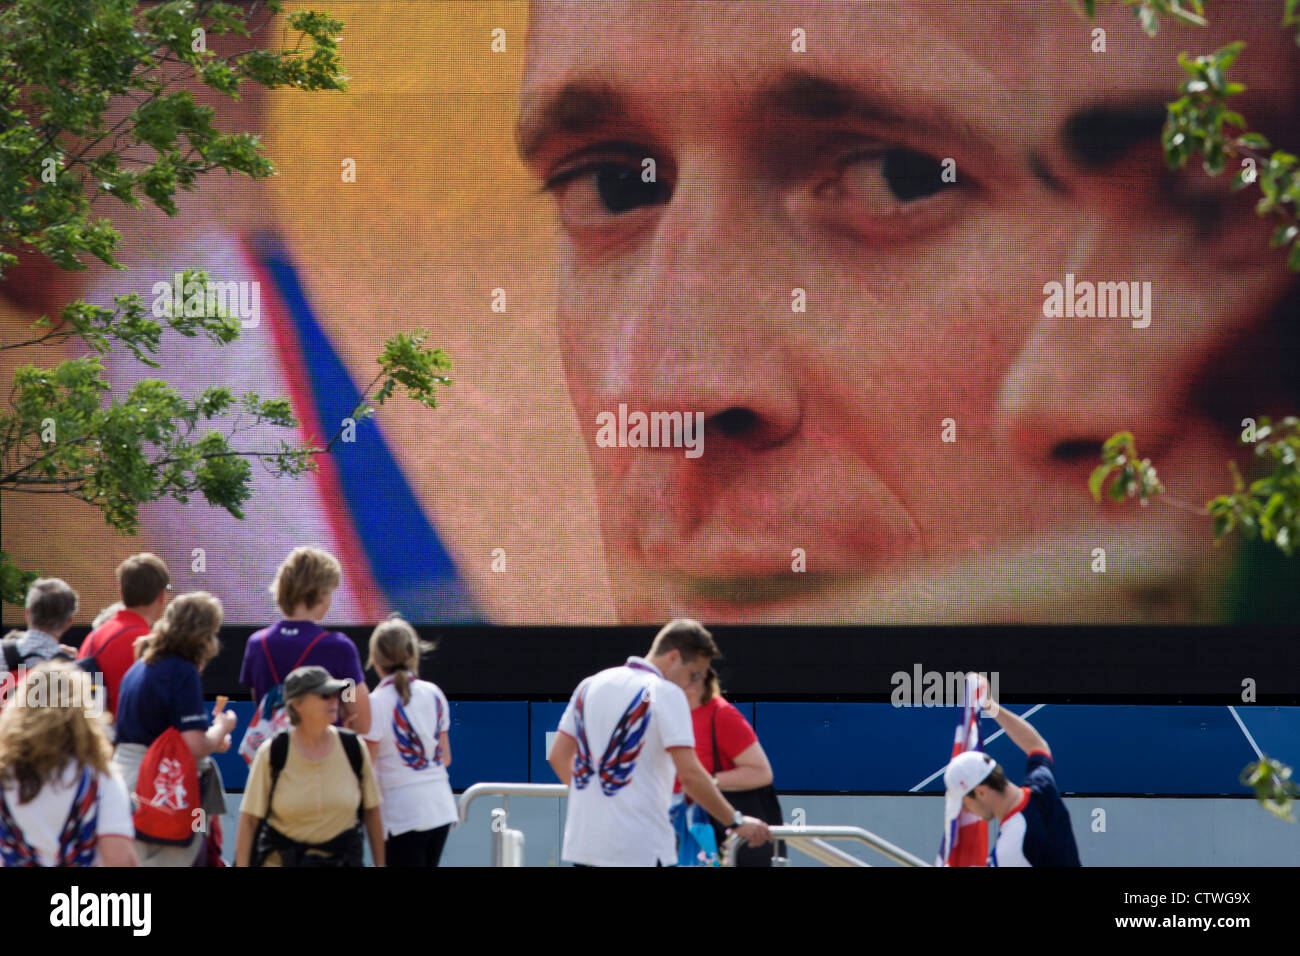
(437,731)
(625,744)
(77,840)
(409,745)
(582,768)
(14,848)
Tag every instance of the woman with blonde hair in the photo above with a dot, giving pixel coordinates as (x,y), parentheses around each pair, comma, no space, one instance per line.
(409,743)
(304,589)
(163,689)
(61,804)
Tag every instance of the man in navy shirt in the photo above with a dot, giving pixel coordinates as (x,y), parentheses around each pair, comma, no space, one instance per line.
(1033,824)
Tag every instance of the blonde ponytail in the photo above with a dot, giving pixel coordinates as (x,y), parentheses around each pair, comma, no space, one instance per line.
(395,649)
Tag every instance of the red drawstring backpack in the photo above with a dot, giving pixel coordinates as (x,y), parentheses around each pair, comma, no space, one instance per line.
(167,792)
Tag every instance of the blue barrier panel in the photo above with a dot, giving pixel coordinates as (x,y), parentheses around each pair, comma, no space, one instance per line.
(1138,750)
(1098,748)
(489,741)
(234,772)
(1275,730)
(834,747)
(877,747)
(544,718)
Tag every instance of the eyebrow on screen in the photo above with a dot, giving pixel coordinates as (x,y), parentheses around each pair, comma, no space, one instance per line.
(575,109)
(801,95)
(583,106)
(1100,135)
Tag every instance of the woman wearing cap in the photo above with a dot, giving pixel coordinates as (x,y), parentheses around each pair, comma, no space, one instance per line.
(409,744)
(311,791)
(163,689)
(60,802)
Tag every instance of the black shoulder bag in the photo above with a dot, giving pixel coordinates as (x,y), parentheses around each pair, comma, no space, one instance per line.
(761,802)
(346,849)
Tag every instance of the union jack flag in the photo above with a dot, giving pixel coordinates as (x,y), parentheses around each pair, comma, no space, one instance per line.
(409,745)
(965,839)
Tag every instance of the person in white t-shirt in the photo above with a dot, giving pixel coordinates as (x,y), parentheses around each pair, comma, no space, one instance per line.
(623,739)
(60,803)
(410,748)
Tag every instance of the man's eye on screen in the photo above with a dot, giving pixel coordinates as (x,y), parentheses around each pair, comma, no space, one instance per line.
(887,180)
(590,194)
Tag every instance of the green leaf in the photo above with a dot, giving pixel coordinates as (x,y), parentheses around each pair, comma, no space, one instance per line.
(1228,54)
(1284,235)
(1150,22)
(1097,479)
(1119,487)
(1186,16)
(1214,158)
(1115,445)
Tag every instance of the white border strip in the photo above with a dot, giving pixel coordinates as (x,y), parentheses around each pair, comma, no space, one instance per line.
(1242,724)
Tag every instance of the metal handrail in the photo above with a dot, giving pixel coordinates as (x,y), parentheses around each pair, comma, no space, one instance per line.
(806,839)
(507,790)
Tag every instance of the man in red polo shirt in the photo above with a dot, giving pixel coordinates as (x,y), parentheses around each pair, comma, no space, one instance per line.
(144,583)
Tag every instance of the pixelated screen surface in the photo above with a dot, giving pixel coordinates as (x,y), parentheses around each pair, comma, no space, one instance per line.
(791,313)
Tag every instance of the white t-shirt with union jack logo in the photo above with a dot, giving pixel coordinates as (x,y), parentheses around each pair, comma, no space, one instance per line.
(410,764)
(624,720)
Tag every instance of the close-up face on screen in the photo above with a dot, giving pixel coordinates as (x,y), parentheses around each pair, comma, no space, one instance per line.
(805,312)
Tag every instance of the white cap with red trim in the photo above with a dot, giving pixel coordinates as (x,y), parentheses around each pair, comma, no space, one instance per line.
(966,772)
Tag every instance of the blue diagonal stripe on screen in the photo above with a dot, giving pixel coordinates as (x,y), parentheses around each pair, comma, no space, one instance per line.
(407,557)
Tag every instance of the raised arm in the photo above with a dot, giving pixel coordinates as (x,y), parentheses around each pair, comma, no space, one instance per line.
(1018,729)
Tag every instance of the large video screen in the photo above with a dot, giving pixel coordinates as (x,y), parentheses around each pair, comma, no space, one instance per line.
(762,313)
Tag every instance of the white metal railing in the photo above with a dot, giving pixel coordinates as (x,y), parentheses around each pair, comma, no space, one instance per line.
(812,841)
(507,844)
